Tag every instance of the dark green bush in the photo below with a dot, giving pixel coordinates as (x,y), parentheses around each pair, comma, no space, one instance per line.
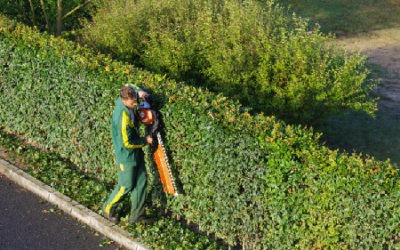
(250,180)
(247,50)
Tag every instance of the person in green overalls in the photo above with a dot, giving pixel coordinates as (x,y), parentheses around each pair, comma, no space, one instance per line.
(129,155)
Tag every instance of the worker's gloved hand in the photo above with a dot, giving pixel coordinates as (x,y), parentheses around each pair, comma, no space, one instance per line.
(149,139)
(144,95)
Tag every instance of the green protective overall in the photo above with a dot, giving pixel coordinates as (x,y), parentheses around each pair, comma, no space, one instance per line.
(130,161)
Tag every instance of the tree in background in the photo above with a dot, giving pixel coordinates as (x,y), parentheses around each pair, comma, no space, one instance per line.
(53,16)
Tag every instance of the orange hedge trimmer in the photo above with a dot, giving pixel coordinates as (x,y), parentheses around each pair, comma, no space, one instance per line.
(149,117)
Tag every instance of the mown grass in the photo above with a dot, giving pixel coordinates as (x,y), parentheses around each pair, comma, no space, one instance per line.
(348,16)
(357,132)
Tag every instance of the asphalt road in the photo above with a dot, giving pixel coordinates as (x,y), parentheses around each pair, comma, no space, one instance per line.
(28,222)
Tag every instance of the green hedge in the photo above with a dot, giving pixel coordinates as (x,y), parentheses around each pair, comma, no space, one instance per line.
(249,180)
(248,50)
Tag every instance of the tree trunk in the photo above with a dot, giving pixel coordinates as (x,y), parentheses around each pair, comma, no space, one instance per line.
(59,22)
(61,17)
(33,19)
(45,15)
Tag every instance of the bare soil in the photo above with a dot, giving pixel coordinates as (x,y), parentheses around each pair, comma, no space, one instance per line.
(382,48)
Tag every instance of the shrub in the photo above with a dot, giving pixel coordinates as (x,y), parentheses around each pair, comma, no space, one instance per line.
(247,50)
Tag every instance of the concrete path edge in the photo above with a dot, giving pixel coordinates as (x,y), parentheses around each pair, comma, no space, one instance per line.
(69,206)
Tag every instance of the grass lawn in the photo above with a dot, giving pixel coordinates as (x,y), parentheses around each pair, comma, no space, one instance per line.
(345,17)
(357,132)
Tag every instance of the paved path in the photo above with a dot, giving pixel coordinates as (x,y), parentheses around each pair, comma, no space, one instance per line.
(29,222)
(45,238)
(382,47)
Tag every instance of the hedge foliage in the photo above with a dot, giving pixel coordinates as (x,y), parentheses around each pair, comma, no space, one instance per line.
(248,50)
(250,180)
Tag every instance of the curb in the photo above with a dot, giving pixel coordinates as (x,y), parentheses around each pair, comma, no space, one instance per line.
(69,206)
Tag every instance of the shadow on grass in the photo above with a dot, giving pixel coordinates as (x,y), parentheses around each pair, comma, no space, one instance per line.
(357,132)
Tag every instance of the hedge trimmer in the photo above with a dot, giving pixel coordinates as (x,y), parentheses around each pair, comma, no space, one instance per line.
(151,119)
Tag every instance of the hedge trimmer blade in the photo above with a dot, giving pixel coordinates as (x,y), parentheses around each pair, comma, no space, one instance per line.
(163,167)
(151,118)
